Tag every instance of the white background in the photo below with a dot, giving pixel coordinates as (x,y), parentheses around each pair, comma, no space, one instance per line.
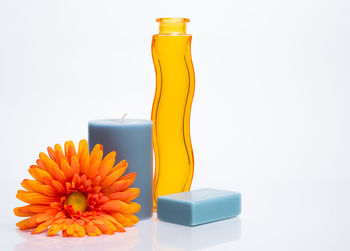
(270,116)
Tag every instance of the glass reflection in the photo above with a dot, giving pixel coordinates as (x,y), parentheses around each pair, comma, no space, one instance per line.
(138,237)
(147,235)
(170,236)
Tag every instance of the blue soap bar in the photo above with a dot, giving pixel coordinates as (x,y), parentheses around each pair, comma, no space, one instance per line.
(198,206)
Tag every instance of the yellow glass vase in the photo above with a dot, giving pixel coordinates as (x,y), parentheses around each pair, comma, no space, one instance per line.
(171,52)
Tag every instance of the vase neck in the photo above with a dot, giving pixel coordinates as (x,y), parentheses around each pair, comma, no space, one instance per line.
(172,26)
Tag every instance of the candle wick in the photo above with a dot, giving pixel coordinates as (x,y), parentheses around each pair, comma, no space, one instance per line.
(123,117)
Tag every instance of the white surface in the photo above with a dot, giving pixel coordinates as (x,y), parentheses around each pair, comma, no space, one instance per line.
(275,216)
(270,117)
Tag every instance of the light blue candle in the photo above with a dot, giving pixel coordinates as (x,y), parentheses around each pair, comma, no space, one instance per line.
(132,140)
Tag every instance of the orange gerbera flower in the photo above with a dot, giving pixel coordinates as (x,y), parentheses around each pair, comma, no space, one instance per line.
(78,193)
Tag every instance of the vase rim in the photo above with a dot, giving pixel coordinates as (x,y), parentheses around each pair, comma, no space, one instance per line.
(172,19)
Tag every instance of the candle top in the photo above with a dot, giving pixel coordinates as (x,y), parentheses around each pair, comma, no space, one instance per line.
(120,122)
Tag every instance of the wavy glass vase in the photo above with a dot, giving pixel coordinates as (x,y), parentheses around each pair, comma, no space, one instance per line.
(171,52)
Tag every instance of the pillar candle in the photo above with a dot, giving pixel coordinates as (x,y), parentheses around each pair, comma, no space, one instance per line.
(132,140)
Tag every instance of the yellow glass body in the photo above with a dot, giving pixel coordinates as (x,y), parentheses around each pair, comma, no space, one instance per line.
(171,52)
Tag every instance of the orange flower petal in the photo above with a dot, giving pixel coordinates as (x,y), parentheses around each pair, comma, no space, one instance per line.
(96,181)
(58,148)
(68,221)
(84,162)
(42,227)
(52,167)
(112,206)
(75,164)
(107,164)
(59,187)
(81,233)
(69,149)
(76,180)
(36,186)
(83,156)
(97,221)
(59,221)
(51,153)
(118,171)
(90,229)
(48,215)
(126,196)
(40,175)
(109,225)
(134,219)
(133,207)
(82,145)
(80,222)
(95,161)
(30,210)
(22,213)
(93,170)
(104,229)
(59,216)
(120,206)
(120,185)
(79,230)
(96,153)
(34,198)
(59,155)
(98,231)
(64,233)
(126,220)
(66,168)
(29,223)
(54,229)
(21,223)
(41,164)
(70,229)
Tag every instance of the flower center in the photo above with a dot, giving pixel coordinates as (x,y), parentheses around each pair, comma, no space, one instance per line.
(78,201)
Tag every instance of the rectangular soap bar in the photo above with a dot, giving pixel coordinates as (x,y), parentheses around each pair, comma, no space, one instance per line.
(198,206)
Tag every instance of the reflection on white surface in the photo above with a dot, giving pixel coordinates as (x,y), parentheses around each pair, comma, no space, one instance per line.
(135,238)
(170,236)
(147,235)
(282,215)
